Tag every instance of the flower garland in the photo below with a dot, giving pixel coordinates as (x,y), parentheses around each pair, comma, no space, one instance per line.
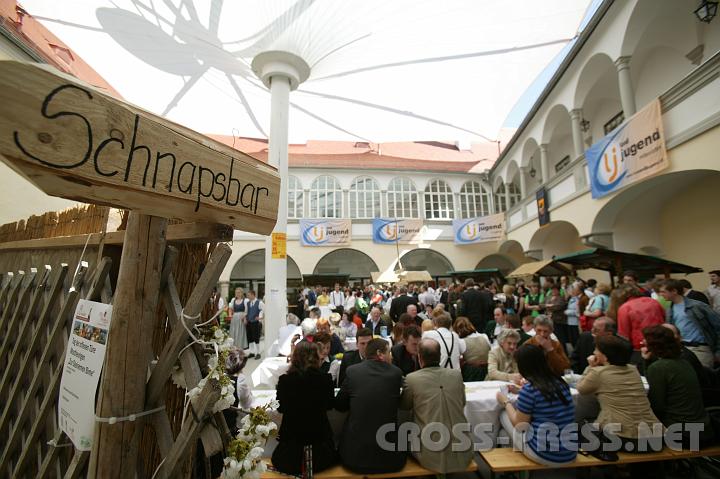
(244,459)
(221,343)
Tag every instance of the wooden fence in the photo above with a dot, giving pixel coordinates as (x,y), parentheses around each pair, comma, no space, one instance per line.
(43,281)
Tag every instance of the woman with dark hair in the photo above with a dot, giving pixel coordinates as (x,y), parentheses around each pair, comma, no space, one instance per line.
(546,404)
(305,394)
(324,342)
(234,365)
(674,394)
(621,393)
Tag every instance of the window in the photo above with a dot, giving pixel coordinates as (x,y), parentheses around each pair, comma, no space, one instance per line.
(514,192)
(438,200)
(499,197)
(325,198)
(295,198)
(402,199)
(614,122)
(364,198)
(474,200)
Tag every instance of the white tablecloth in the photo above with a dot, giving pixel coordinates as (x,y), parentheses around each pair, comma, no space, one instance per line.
(268,372)
(481,407)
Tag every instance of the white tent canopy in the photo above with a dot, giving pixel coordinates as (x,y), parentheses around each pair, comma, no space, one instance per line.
(381,70)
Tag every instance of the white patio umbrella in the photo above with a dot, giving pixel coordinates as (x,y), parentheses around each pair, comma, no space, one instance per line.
(373,70)
(399,70)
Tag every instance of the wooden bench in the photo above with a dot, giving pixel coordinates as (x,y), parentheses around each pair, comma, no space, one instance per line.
(508,460)
(412,469)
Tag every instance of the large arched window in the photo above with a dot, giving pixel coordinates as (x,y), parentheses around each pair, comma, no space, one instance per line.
(325,198)
(474,200)
(438,200)
(364,198)
(500,200)
(295,198)
(402,199)
(514,193)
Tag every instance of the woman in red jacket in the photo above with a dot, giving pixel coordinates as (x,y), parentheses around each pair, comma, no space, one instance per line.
(635,312)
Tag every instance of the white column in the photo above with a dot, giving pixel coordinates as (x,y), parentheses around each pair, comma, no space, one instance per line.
(575,119)
(507,196)
(627,96)
(545,177)
(280,72)
(523,182)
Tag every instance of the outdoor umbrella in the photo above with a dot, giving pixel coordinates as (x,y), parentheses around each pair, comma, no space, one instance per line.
(380,70)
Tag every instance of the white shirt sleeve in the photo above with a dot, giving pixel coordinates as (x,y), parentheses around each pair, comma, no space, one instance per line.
(261,305)
(243,393)
(461,343)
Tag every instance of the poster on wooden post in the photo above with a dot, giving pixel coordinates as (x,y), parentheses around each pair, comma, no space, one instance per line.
(81,372)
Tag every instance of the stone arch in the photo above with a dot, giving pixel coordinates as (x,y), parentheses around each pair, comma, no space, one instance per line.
(597,94)
(503,262)
(251,265)
(420,259)
(556,238)
(632,220)
(557,134)
(346,261)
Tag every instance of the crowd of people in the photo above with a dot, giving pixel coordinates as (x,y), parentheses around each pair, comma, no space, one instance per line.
(416,346)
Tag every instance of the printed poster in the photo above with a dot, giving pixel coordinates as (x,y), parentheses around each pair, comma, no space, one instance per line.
(391,231)
(325,232)
(543,207)
(479,230)
(630,153)
(81,372)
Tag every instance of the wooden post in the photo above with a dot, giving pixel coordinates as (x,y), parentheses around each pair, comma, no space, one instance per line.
(122,391)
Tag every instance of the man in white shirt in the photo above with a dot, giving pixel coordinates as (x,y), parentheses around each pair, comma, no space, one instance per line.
(451,346)
(426,297)
(337,297)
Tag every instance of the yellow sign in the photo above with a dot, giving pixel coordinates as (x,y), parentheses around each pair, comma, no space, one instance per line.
(279,246)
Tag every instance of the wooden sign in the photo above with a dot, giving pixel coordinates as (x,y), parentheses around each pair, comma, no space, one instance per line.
(73,141)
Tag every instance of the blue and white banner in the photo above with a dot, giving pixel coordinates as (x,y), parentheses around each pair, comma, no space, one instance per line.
(479,230)
(325,232)
(630,153)
(387,231)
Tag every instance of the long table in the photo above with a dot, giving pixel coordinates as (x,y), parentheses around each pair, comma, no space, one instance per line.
(481,407)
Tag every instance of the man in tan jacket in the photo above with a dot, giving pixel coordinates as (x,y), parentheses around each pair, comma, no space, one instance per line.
(554,351)
(437,395)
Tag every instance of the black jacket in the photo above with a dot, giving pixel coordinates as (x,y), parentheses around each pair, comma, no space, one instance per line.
(399,305)
(698,296)
(477,305)
(371,392)
(403,360)
(304,401)
(349,358)
(378,329)
(583,348)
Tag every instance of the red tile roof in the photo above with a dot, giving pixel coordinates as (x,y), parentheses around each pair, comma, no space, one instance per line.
(419,155)
(47,46)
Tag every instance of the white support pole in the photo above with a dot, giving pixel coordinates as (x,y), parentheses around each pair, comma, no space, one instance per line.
(575,119)
(544,170)
(627,95)
(276,268)
(281,72)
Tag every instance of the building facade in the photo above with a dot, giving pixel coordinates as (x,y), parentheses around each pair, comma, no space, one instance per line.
(632,53)
(434,182)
